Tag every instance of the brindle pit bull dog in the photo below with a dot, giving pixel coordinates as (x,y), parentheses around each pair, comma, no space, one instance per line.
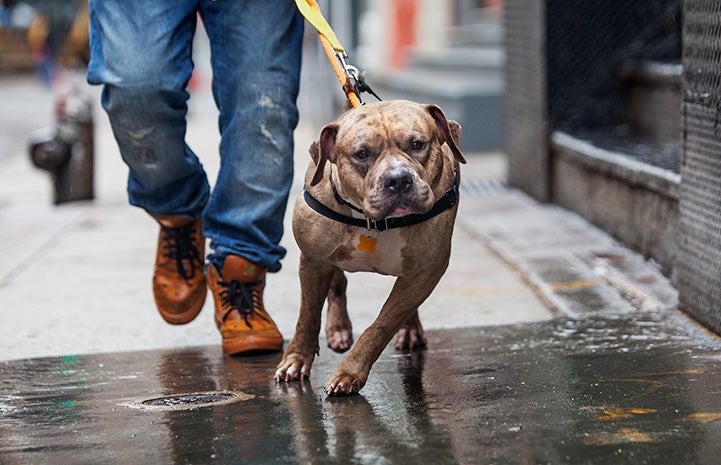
(381,195)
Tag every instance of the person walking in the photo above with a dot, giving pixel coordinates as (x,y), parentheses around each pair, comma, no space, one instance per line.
(141,54)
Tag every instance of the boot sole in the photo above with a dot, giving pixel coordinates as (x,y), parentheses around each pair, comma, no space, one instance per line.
(188,315)
(248,344)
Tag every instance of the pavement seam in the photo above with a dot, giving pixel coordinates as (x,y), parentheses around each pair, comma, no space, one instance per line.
(38,253)
(556,307)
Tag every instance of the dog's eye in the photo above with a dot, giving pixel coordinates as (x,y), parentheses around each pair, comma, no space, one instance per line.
(361,154)
(417,145)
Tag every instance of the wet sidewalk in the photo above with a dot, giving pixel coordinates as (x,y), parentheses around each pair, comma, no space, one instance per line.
(548,343)
(632,389)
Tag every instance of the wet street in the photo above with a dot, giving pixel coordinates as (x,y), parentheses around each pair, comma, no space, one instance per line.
(601,390)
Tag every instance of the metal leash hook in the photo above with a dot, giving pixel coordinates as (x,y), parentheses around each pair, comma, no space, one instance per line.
(354,78)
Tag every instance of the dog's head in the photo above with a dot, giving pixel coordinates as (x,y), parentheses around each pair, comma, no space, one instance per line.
(390,156)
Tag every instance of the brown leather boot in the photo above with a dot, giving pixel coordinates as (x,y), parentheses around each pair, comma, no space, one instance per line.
(179,279)
(244,324)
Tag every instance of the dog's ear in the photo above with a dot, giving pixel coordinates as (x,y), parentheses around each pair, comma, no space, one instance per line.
(455,131)
(450,131)
(324,151)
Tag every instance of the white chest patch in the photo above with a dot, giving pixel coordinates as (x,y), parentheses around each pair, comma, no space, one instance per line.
(379,252)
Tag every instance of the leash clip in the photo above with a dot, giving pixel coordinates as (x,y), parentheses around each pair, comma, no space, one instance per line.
(354,80)
(350,70)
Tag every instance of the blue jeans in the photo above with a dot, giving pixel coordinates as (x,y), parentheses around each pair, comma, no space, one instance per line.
(141,53)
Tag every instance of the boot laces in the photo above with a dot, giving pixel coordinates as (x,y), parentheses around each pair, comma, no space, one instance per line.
(180,247)
(243,297)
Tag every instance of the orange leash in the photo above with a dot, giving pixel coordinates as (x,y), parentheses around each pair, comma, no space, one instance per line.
(339,72)
(348,75)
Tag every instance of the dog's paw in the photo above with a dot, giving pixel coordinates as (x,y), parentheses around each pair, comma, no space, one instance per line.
(339,340)
(410,339)
(293,367)
(343,384)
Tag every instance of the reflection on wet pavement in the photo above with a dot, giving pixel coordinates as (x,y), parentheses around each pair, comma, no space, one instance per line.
(641,389)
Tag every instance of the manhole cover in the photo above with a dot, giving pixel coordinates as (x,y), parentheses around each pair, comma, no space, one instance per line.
(190,400)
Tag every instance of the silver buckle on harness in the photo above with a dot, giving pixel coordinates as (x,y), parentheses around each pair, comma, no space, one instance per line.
(370,224)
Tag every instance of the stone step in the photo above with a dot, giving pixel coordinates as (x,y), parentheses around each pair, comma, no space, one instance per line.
(476,59)
(604,177)
(483,31)
(652,100)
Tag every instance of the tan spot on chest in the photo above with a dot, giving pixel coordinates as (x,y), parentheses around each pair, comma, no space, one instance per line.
(367,244)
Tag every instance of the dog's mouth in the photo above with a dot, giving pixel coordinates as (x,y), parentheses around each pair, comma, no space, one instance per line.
(389,205)
(402,210)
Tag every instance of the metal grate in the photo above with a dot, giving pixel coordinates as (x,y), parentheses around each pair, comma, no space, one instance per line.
(482,186)
(699,256)
(588,45)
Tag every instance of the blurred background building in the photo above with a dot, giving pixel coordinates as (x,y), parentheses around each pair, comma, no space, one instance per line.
(445,52)
(43,35)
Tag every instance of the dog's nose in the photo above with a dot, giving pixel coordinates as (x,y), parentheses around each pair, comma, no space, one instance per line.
(398,181)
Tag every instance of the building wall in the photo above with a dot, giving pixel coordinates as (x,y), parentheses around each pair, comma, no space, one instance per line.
(526,107)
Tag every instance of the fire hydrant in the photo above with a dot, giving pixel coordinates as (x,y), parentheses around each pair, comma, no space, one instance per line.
(66,150)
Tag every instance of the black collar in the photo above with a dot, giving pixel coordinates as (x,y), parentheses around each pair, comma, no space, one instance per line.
(444,203)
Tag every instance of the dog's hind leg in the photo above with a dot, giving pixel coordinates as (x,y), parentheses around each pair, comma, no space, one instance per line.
(410,336)
(338,327)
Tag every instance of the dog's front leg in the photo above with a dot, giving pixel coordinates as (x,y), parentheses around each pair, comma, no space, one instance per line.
(315,279)
(407,295)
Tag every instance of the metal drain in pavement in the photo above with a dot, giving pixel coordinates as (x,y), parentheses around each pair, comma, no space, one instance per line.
(189,401)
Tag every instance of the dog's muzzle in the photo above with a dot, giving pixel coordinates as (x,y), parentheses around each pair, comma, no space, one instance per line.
(398,182)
